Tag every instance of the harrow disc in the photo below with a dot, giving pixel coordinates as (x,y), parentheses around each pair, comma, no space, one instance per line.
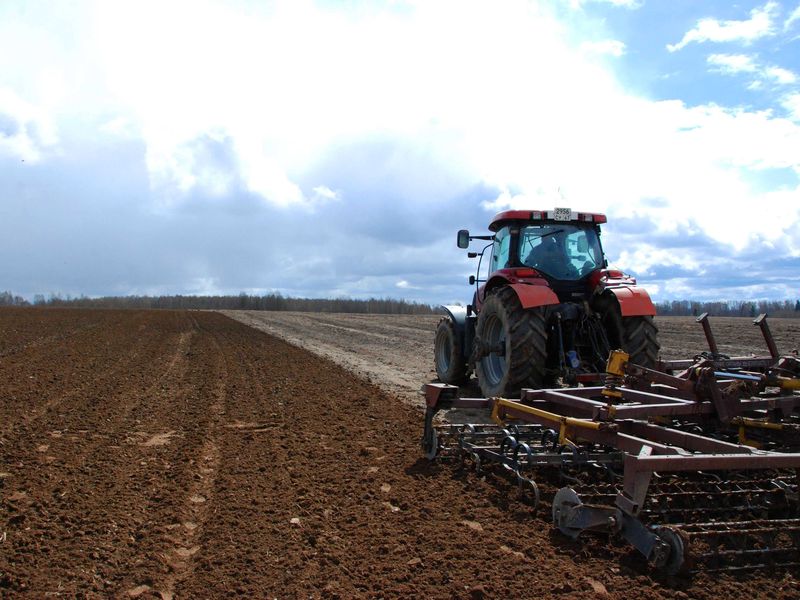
(672,562)
(430,437)
(430,444)
(565,499)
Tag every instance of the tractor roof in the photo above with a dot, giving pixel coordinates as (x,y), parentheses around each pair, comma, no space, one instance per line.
(558,215)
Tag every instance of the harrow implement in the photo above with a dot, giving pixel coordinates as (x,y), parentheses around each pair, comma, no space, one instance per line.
(694,463)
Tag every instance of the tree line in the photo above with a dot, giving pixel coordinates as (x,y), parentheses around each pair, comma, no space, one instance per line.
(678,308)
(9,299)
(276,302)
(733,308)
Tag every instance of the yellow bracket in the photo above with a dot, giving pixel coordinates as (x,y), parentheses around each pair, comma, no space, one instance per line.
(744,440)
(499,416)
(496,413)
(745,422)
(756,423)
(789,384)
(617,360)
(615,375)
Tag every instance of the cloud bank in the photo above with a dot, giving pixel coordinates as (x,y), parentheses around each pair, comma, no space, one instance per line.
(304,148)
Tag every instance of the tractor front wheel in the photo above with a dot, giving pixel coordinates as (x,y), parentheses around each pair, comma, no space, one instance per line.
(511,345)
(451,366)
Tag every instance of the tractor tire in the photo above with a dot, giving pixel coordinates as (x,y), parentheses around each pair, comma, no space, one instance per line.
(451,366)
(522,338)
(640,341)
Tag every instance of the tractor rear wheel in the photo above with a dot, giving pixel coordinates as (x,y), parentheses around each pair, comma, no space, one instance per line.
(451,366)
(640,341)
(512,345)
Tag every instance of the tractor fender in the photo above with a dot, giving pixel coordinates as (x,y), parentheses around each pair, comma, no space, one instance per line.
(633,301)
(464,329)
(458,314)
(531,296)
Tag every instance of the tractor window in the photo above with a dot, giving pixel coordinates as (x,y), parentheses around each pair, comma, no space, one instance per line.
(500,251)
(563,251)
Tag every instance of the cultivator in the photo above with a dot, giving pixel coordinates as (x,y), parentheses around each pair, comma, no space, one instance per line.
(694,463)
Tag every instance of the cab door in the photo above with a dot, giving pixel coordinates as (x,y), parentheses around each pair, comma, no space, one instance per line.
(498,259)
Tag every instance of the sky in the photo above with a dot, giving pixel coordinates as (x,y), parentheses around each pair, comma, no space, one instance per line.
(333,149)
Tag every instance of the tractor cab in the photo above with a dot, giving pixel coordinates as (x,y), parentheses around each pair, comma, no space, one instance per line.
(560,251)
(560,247)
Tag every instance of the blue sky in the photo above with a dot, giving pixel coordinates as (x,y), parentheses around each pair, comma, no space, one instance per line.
(334,148)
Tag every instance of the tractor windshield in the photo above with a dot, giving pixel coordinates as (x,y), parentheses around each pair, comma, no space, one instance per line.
(561,250)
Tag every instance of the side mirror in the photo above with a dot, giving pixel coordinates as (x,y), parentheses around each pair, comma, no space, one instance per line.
(463,238)
(472,279)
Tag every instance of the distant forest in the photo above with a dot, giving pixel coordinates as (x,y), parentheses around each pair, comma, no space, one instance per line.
(736,308)
(240,302)
(678,308)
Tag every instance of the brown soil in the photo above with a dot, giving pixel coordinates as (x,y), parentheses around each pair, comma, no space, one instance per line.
(184,455)
(396,351)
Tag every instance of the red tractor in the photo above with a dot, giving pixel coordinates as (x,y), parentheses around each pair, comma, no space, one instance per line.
(549,308)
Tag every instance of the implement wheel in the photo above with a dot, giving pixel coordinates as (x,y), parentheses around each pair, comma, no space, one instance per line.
(451,367)
(513,345)
(640,340)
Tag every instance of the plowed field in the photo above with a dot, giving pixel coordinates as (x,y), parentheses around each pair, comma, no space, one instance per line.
(396,351)
(185,455)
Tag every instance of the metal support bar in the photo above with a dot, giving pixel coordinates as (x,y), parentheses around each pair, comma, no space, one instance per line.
(644,411)
(567,399)
(684,439)
(712,462)
(712,343)
(738,362)
(651,397)
(761,321)
(635,484)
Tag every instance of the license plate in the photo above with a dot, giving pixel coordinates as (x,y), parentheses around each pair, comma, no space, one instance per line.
(562,214)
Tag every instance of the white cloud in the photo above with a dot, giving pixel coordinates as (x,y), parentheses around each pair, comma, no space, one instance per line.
(291,86)
(119,126)
(780,75)
(792,19)
(323,193)
(732,63)
(630,4)
(610,47)
(713,30)
(697,159)
(791,102)
(645,257)
(26,130)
